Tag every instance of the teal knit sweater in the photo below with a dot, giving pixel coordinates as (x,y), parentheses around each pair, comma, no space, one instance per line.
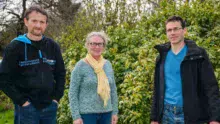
(83,95)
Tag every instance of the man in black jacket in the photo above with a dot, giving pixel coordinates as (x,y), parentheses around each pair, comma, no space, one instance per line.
(32,72)
(185,88)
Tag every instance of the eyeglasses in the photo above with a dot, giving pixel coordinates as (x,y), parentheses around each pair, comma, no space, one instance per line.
(93,44)
(176,29)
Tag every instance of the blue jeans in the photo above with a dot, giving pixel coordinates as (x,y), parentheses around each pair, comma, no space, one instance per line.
(97,118)
(30,115)
(172,114)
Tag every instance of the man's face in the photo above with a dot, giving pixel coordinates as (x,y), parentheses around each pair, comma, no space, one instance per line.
(175,32)
(36,23)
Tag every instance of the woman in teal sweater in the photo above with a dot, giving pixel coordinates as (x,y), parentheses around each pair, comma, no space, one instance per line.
(93,93)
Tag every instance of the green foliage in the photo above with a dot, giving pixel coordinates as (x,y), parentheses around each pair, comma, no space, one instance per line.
(6,117)
(6,110)
(98,15)
(6,103)
(72,55)
(64,115)
(136,88)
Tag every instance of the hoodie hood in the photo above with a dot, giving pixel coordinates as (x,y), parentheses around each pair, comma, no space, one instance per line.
(22,38)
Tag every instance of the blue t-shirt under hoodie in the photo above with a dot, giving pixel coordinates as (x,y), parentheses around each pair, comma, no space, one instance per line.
(173,82)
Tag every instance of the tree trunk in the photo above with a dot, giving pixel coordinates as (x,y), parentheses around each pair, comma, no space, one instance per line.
(20,25)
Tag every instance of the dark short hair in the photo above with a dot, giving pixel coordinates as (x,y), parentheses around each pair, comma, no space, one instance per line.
(176,19)
(37,9)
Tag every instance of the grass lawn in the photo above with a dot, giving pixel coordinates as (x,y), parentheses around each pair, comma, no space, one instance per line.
(7,117)
(6,113)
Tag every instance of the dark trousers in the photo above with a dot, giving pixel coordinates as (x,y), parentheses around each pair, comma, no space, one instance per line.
(30,115)
(97,118)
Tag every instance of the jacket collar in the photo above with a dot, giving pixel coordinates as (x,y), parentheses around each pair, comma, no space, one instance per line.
(193,49)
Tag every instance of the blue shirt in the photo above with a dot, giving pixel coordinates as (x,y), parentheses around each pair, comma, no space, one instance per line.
(173,81)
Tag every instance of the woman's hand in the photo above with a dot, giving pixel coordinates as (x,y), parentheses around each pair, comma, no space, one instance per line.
(114,119)
(78,121)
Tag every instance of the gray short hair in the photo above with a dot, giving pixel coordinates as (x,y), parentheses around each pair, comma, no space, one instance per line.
(100,34)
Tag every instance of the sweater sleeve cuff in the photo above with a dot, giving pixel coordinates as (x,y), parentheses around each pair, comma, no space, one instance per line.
(114,112)
(76,117)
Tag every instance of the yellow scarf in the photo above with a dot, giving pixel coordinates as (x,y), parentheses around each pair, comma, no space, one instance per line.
(103,85)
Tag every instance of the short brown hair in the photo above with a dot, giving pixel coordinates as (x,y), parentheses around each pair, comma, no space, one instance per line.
(37,9)
(176,19)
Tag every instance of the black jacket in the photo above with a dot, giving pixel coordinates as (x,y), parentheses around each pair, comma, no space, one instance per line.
(34,73)
(201,101)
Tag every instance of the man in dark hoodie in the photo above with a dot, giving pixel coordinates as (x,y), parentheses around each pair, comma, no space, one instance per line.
(32,72)
(185,88)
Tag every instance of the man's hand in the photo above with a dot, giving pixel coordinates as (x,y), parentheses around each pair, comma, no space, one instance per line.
(55,101)
(154,122)
(78,121)
(26,104)
(114,119)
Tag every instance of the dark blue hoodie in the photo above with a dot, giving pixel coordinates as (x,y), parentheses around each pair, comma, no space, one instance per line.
(34,73)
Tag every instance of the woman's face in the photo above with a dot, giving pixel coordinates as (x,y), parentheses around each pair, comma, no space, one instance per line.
(96,46)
